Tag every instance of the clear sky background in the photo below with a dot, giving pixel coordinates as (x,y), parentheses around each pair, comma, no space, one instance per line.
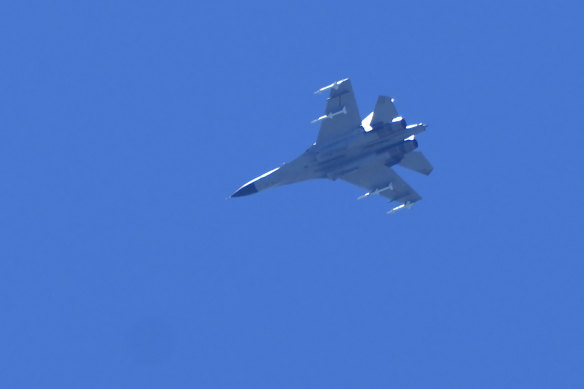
(126,125)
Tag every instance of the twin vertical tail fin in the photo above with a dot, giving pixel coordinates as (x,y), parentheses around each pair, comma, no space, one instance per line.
(384,111)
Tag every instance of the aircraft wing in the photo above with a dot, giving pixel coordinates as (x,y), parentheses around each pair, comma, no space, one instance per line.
(383,180)
(341,114)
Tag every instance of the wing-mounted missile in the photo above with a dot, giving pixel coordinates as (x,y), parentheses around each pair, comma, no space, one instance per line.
(376,191)
(331,115)
(416,128)
(406,205)
(334,85)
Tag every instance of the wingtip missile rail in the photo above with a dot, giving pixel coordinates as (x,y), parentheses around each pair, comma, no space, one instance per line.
(376,191)
(334,85)
(330,115)
(406,205)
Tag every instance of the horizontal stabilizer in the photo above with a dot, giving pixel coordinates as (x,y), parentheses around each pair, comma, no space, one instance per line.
(417,162)
(384,111)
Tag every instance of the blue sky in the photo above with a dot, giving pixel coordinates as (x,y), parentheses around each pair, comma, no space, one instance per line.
(125,126)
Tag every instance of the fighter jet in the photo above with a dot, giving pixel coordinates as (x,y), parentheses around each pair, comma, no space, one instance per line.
(357,151)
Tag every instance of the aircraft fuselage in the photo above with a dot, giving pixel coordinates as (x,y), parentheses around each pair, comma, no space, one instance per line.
(385,144)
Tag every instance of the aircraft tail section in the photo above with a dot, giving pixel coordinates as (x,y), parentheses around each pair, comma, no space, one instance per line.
(416,161)
(384,111)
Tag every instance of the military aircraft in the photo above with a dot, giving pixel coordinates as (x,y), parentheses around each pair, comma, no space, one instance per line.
(360,152)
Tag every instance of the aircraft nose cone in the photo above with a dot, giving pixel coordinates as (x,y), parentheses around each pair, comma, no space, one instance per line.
(245,190)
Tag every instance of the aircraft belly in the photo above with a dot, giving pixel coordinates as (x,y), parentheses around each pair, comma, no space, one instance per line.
(344,165)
